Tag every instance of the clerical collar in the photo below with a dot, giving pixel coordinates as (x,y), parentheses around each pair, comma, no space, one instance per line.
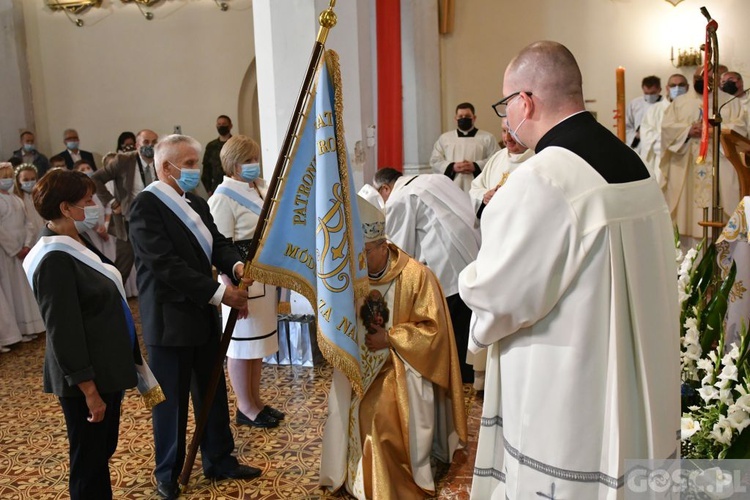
(470,133)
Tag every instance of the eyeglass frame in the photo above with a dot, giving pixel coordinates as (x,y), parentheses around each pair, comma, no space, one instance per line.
(506,100)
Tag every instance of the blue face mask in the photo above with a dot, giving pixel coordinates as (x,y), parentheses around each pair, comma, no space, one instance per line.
(250,172)
(6,185)
(90,218)
(189,177)
(72,145)
(29,148)
(675,92)
(28,186)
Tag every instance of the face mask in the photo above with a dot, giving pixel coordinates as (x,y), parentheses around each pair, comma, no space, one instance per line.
(222,130)
(6,185)
(29,148)
(28,186)
(189,177)
(698,86)
(250,172)
(514,133)
(147,152)
(465,124)
(651,98)
(675,92)
(89,173)
(90,218)
(730,87)
(72,145)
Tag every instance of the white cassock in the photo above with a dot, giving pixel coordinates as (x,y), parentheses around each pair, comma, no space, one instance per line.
(650,147)
(495,173)
(451,148)
(586,344)
(19,298)
(432,220)
(689,185)
(633,118)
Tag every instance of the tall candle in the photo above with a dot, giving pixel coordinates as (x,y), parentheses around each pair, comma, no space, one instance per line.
(620,78)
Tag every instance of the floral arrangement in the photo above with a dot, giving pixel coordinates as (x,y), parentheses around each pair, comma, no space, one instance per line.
(715,388)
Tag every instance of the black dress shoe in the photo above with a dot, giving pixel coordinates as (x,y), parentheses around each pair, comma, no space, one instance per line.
(239,472)
(270,410)
(263,420)
(167,490)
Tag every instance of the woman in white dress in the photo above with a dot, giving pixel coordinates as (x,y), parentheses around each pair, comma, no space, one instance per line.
(97,235)
(235,206)
(19,299)
(25,180)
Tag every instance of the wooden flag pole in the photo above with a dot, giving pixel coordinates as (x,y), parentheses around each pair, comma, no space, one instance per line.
(327,21)
(620,113)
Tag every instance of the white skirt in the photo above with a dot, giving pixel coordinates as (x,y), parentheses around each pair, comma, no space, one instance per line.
(256,336)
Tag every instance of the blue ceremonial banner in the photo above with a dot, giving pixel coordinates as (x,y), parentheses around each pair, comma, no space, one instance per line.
(313,241)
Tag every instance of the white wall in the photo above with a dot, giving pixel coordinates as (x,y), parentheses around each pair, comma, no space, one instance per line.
(121,72)
(602,34)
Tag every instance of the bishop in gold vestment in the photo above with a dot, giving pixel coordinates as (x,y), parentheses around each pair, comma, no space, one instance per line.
(413,408)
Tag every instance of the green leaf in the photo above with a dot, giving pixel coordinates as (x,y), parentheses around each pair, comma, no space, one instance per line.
(716,310)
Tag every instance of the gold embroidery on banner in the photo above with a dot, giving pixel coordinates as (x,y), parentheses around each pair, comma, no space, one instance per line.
(738,290)
(336,252)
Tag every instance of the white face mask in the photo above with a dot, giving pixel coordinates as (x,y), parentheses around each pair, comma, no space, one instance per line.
(6,184)
(90,218)
(651,98)
(675,92)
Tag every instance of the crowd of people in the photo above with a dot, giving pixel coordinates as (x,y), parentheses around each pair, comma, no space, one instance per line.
(541,272)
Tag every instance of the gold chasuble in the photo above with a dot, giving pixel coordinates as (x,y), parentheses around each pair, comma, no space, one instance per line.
(413,405)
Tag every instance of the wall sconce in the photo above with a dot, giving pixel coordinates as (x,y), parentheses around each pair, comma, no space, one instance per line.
(143,3)
(73,7)
(222,5)
(686,57)
(674,2)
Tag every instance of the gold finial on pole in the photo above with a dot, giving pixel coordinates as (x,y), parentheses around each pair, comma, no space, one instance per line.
(327,21)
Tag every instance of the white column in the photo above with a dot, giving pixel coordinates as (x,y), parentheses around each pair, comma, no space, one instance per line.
(15,97)
(420,66)
(284,37)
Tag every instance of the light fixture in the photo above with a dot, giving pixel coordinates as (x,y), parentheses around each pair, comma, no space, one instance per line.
(674,2)
(144,3)
(222,5)
(73,7)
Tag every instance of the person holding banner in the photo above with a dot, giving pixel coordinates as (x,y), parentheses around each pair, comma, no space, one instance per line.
(176,242)
(92,351)
(235,206)
(413,405)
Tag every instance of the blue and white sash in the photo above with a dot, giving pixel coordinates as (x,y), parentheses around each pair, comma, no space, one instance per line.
(180,207)
(241,197)
(66,244)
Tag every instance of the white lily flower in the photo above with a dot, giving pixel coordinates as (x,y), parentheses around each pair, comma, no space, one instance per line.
(693,352)
(692,337)
(708,392)
(743,402)
(722,431)
(725,396)
(688,427)
(694,408)
(705,365)
(729,372)
(691,323)
(738,419)
(712,355)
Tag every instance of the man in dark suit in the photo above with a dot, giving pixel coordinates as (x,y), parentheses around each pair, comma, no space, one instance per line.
(72,154)
(131,172)
(175,242)
(29,154)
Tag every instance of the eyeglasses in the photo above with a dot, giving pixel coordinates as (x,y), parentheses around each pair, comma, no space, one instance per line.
(501,106)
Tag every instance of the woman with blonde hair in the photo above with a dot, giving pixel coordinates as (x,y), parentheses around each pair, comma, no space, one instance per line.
(235,207)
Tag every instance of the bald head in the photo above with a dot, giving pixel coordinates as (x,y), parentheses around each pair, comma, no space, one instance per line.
(548,69)
(549,79)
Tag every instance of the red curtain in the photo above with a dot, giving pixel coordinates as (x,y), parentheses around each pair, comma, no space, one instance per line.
(390,110)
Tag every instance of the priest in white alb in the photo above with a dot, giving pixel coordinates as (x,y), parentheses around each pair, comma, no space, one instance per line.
(574,294)
(496,171)
(689,184)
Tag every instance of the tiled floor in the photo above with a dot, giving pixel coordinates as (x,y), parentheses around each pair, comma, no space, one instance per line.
(33,444)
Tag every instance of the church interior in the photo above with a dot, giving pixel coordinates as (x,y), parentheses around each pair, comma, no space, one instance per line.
(175,65)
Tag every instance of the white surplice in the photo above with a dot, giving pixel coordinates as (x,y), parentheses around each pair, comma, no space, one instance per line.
(634,112)
(689,185)
(433,221)
(650,147)
(495,172)
(20,300)
(586,343)
(451,148)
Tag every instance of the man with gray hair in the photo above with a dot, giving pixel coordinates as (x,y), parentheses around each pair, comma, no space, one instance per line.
(176,242)
(574,294)
(72,153)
